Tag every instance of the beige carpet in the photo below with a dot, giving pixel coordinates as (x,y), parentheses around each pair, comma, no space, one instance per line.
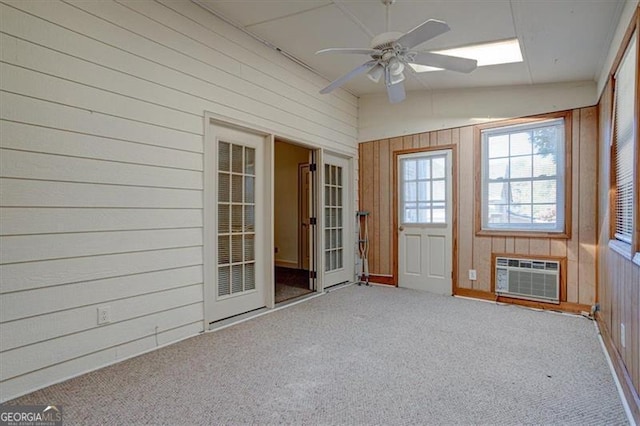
(362,355)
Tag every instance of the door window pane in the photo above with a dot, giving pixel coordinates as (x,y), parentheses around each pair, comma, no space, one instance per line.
(333,217)
(236,219)
(424,184)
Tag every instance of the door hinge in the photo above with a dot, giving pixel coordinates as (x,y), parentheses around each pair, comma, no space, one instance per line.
(313,167)
(313,275)
(313,221)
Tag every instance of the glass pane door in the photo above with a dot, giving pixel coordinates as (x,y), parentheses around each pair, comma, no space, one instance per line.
(333,218)
(236,219)
(423,189)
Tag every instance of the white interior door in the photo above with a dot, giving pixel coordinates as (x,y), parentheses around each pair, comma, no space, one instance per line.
(425,221)
(338,248)
(234,223)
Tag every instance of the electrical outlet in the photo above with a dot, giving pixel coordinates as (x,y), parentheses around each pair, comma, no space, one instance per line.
(623,340)
(104,315)
(472,274)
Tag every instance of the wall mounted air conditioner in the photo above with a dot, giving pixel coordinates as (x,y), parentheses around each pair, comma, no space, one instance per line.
(531,279)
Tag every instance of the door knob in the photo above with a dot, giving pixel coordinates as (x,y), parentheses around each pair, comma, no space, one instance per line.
(401,228)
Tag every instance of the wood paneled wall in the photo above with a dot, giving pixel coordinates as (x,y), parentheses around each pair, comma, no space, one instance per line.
(618,278)
(474,252)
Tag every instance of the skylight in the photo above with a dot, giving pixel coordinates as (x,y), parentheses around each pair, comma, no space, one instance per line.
(493,53)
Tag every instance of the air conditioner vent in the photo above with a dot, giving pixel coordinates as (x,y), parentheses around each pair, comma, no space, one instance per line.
(532,279)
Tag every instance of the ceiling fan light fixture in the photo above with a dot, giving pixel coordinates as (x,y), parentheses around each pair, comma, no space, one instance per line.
(375,74)
(395,66)
(396,78)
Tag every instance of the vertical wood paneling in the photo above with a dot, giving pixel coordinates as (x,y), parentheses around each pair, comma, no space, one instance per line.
(588,204)
(475,252)
(521,245)
(539,246)
(384,208)
(498,244)
(375,253)
(465,207)
(573,244)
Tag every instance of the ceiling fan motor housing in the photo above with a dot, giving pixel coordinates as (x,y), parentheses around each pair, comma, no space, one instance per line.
(385,41)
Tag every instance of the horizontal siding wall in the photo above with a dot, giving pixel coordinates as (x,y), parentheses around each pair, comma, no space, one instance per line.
(474,252)
(101,170)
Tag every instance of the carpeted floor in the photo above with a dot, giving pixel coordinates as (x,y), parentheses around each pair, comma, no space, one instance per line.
(290,283)
(362,355)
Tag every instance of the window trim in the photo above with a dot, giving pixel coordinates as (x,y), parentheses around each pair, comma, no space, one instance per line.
(565,233)
(630,251)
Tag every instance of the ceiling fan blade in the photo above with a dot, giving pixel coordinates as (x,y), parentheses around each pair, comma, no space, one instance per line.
(452,63)
(348,50)
(396,92)
(348,76)
(423,32)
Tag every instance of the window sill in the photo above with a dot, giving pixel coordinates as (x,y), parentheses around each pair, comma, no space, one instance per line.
(523,234)
(624,250)
(636,259)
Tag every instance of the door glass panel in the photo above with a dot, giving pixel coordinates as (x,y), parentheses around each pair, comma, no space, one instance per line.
(333,220)
(236,219)
(423,189)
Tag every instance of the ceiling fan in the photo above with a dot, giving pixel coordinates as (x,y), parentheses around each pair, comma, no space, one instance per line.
(390,53)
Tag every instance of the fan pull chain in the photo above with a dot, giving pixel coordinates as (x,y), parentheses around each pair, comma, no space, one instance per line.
(387,19)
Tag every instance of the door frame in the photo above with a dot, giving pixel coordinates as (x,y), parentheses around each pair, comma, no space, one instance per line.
(454,209)
(270,135)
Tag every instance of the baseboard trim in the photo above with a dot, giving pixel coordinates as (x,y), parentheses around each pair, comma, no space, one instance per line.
(474,294)
(382,279)
(630,392)
(574,308)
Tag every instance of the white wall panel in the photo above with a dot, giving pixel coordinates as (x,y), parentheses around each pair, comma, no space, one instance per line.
(26,221)
(438,110)
(102,109)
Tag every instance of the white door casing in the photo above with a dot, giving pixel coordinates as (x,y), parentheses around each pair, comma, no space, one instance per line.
(235,222)
(425,196)
(337,249)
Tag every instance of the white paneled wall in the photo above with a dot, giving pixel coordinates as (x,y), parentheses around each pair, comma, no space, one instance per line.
(101,165)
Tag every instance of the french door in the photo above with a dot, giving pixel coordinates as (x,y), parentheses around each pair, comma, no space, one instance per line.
(338,249)
(234,228)
(425,221)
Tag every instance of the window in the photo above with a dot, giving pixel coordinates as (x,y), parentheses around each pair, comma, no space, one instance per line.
(523,186)
(424,185)
(623,112)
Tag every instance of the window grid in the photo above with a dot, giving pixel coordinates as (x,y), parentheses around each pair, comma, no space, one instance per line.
(236,219)
(333,215)
(424,189)
(523,182)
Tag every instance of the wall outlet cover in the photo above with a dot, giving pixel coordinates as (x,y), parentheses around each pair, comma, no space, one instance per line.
(104,315)
(472,274)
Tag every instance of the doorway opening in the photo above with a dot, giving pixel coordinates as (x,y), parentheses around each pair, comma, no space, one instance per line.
(293,228)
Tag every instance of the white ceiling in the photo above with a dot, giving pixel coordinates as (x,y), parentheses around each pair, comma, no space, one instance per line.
(561,40)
